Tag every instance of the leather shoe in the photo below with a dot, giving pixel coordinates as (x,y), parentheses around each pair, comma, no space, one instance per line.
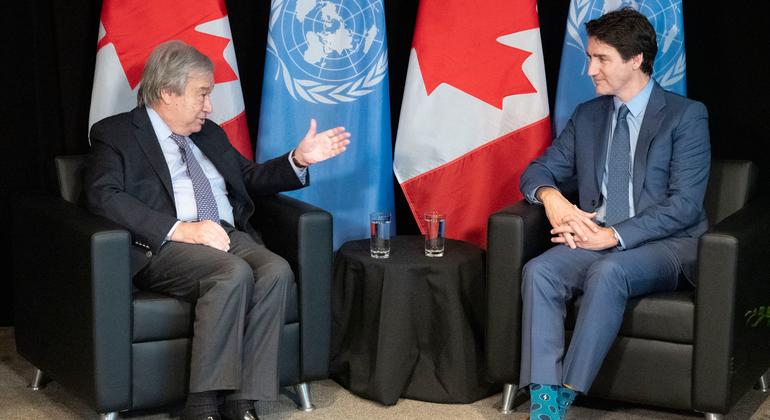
(204,417)
(249,414)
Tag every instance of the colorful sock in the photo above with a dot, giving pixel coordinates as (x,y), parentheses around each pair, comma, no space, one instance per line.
(565,400)
(544,403)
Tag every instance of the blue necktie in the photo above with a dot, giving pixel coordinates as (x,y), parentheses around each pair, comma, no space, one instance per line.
(204,198)
(619,171)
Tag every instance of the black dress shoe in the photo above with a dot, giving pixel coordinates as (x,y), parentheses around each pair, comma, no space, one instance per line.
(249,414)
(203,417)
(238,410)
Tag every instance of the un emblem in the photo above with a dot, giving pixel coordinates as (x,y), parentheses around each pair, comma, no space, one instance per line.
(665,16)
(328,52)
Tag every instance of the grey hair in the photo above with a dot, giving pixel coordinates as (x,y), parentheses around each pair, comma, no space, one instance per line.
(167,69)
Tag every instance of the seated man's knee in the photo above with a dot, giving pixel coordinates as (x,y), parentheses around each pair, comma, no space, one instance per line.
(277,268)
(607,275)
(538,272)
(238,273)
(238,269)
(233,275)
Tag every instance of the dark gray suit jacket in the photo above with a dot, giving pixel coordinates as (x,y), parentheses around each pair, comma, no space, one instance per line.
(670,174)
(127,179)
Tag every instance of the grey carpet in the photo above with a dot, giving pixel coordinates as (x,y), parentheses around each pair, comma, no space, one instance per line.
(331,400)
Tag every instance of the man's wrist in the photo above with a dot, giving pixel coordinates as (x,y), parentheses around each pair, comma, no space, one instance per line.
(172,230)
(543,193)
(619,242)
(296,161)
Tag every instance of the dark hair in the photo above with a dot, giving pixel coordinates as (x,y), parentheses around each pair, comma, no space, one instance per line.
(629,32)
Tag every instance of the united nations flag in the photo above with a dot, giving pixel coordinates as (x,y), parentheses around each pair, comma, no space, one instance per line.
(575,86)
(328,60)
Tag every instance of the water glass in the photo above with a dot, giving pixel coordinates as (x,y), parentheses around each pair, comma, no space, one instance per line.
(379,228)
(434,234)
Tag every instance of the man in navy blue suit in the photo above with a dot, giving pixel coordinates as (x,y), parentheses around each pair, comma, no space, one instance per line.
(641,158)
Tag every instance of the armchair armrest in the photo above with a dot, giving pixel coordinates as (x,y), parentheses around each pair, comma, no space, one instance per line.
(302,234)
(514,236)
(732,279)
(72,287)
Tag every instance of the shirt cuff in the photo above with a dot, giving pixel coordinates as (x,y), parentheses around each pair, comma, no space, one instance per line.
(620,245)
(171,231)
(300,172)
(532,196)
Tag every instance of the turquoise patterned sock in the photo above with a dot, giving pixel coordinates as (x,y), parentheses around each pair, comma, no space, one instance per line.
(565,399)
(544,403)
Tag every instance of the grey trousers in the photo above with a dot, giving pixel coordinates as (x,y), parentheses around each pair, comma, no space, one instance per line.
(240,300)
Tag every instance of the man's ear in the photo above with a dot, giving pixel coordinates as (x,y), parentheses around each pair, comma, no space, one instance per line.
(637,61)
(166,96)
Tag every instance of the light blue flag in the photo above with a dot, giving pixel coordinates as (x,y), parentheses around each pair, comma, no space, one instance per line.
(329,61)
(575,86)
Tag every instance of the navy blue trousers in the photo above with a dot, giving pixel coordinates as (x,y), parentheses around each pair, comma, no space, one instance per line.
(606,280)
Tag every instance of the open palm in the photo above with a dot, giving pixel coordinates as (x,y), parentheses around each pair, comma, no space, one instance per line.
(316,147)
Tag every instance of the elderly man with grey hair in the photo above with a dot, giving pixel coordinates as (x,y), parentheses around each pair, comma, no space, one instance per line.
(170,176)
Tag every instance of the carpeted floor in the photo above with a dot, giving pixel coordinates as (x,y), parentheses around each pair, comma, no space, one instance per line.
(332,402)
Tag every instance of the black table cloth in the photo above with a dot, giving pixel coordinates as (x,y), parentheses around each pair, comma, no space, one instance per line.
(409,325)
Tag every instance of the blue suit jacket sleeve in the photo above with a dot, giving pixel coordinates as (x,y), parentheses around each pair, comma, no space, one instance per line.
(555,166)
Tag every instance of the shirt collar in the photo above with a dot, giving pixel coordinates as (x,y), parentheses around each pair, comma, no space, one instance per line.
(638,103)
(160,126)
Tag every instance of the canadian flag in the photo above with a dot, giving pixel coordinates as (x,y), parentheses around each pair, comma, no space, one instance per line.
(474,113)
(128,32)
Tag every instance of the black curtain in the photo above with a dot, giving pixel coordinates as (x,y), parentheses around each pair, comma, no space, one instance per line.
(49,51)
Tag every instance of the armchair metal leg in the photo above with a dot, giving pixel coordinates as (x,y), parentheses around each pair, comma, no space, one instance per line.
(764,382)
(109,416)
(37,381)
(303,394)
(509,392)
(713,416)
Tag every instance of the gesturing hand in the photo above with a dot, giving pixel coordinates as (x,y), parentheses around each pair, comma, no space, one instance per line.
(317,147)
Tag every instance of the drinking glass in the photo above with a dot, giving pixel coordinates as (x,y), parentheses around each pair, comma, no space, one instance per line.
(379,228)
(434,234)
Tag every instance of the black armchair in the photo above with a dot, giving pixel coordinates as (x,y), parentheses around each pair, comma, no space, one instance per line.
(80,322)
(691,350)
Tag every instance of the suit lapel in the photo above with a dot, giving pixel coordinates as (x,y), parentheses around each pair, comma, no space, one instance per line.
(653,117)
(603,114)
(148,142)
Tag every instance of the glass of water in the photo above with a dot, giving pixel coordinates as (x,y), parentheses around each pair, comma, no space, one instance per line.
(434,234)
(379,228)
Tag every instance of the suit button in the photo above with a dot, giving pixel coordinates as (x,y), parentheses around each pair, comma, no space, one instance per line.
(148,254)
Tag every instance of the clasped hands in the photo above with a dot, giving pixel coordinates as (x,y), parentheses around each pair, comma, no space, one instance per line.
(571,226)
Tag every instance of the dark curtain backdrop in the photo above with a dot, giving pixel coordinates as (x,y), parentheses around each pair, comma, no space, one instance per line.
(48,53)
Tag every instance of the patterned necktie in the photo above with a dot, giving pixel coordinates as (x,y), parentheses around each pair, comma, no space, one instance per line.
(619,171)
(204,198)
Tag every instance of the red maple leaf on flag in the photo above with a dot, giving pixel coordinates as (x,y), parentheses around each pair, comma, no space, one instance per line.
(136,27)
(456,43)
